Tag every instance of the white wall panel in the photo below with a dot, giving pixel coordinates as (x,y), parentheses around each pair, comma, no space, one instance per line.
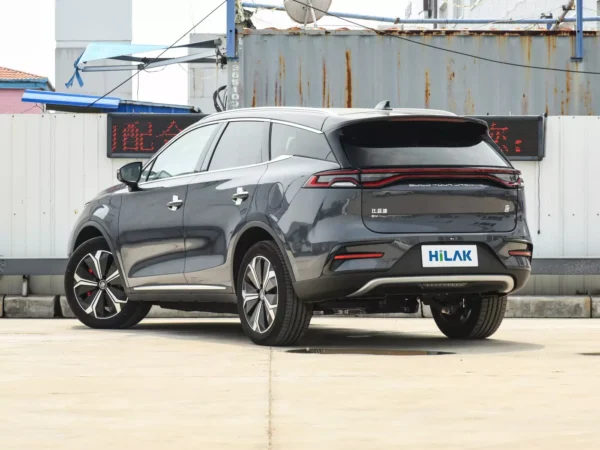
(52,164)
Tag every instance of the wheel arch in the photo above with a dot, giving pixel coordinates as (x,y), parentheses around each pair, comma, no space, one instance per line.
(90,230)
(249,234)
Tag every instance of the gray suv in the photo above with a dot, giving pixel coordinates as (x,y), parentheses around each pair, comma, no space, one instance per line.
(274,213)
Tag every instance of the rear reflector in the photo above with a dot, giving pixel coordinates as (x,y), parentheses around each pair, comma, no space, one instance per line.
(526,253)
(346,256)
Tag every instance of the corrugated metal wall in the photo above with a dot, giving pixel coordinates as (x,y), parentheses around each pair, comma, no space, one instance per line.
(51,165)
(359,69)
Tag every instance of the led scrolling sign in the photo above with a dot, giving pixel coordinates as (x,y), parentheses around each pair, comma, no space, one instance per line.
(132,135)
(135,135)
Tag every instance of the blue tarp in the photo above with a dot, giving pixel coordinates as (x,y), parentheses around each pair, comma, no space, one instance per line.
(81,103)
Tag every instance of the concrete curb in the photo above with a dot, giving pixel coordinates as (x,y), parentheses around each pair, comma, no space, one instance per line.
(580,307)
(33,307)
(550,307)
(596,307)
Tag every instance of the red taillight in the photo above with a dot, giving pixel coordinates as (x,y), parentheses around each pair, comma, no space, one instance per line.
(526,253)
(345,256)
(377,178)
(334,178)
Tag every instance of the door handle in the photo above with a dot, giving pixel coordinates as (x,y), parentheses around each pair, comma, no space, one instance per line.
(240,196)
(175,204)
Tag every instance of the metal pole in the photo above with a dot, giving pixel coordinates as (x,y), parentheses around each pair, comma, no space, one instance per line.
(231,29)
(562,16)
(431,21)
(579,32)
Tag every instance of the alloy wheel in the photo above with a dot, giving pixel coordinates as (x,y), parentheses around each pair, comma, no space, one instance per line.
(98,285)
(260,294)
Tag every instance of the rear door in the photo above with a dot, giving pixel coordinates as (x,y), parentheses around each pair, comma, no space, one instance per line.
(431,175)
(218,201)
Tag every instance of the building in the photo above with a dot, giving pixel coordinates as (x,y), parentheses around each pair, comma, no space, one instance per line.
(494,9)
(12,85)
(77,24)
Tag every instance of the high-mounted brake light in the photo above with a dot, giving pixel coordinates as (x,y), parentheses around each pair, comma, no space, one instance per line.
(346,256)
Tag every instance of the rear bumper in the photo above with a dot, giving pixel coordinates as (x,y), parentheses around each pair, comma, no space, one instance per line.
(372,285)
(402,273)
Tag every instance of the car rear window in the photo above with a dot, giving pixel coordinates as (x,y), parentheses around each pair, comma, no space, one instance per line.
(419,143)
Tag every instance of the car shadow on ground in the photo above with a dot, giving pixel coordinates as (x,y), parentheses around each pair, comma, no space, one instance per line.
(333,337)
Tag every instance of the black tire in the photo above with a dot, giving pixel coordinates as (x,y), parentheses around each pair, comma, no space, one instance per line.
(484,317)
(291,317)
(130,314)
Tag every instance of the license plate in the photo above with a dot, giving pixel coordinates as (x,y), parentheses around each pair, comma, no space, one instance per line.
(449,256)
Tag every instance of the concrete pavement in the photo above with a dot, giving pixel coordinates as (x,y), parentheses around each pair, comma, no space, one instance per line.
(200,384)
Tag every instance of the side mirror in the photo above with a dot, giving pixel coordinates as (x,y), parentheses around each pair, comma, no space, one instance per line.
(130,174)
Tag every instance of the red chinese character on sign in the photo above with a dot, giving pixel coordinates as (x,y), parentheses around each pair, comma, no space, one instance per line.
(142,135)
(518,143)
(171,131)
(131,137)
(499,136)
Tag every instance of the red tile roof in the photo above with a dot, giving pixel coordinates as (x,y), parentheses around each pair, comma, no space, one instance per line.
(10,74)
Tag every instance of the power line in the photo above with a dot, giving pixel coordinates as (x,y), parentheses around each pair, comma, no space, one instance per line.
(456,52)
(162,53)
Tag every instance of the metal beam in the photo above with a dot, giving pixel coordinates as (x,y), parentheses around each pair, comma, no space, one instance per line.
(579,32)
(397,20)
(231,5)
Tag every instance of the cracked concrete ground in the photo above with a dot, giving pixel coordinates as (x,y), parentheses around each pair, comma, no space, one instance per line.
(200,384)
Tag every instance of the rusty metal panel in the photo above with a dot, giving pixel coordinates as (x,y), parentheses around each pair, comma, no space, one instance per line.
(358,69)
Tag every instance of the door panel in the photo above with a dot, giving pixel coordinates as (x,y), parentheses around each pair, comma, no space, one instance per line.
(151,219)
(219,200)
(151,233)
(211,218)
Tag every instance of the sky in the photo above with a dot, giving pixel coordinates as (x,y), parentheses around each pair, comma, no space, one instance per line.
(27,35)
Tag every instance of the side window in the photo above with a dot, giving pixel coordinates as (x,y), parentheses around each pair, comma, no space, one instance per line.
(240,145)
(181,157)
(288,140)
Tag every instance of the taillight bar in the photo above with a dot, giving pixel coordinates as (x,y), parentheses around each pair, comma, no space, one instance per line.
(376,178)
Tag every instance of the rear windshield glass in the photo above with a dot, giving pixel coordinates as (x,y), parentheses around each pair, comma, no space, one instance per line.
(414,143)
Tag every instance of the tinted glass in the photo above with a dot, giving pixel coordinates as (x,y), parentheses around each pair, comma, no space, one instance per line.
(414,143)
(181,157)
(286,140)
(240,145)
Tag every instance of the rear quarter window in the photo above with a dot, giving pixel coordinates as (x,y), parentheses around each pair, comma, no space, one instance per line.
(294,141)
(419,143)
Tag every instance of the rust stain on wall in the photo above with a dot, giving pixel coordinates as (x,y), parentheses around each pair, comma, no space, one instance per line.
(427,89)
(254,96)
(348,79)
(469,104)
(524,104)
(300,84)
(587,100)
(324,83)
(568,90)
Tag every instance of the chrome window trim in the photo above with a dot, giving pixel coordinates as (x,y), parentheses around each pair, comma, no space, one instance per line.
(281,122)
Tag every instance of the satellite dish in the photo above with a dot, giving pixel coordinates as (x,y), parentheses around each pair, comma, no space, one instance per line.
(306,11)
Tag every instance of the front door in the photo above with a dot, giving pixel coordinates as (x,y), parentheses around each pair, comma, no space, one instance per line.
(151,239)
(219,200)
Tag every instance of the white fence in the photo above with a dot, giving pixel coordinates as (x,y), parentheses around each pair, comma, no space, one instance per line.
(52,164)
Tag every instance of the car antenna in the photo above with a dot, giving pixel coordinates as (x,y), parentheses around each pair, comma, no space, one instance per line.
(384,105)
